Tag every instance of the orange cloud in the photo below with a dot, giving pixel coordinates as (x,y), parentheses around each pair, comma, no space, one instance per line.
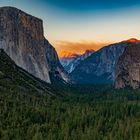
(77,47)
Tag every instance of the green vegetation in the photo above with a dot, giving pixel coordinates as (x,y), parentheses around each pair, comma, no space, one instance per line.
(33,110)
(109,115)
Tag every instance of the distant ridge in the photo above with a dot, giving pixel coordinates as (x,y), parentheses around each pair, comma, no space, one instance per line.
(100,67)
(65,54)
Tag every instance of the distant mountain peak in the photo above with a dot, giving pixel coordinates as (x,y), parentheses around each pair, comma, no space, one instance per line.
(132,40)
(69,55)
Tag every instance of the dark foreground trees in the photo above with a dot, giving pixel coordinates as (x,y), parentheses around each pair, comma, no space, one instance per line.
(106,115)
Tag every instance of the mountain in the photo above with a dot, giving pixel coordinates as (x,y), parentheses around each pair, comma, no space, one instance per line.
(70,61)
(99,68)
(67,58)
(14,79)
(128,68)
(22,38)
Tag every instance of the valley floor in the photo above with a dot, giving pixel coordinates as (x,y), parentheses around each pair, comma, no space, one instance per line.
(100,113)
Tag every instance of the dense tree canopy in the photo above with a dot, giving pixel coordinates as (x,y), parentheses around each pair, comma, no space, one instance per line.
(98,114)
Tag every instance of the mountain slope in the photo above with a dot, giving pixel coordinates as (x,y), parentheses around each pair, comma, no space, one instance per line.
(22,38)
(100,66)
(14,79)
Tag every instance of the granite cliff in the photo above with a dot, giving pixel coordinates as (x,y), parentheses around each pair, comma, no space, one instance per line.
(128,68)
(22,38)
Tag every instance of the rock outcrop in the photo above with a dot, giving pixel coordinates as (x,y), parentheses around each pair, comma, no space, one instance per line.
(22,38)
(128,68)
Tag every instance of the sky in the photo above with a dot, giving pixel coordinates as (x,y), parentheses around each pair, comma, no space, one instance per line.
(78,25)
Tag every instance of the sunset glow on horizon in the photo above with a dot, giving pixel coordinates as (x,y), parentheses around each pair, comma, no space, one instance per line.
(67,47)
(75,26)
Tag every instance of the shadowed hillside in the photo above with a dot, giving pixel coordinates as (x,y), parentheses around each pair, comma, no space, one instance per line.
(13,79)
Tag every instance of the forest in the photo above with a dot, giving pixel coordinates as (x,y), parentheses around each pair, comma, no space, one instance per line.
(86,112)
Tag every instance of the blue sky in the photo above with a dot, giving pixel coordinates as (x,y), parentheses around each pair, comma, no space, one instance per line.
(96,22)
(91,5)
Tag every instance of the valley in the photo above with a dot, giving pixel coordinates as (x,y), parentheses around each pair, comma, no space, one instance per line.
(33,109)
(89,96)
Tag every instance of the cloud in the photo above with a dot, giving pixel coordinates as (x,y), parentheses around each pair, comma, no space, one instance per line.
(77,47)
